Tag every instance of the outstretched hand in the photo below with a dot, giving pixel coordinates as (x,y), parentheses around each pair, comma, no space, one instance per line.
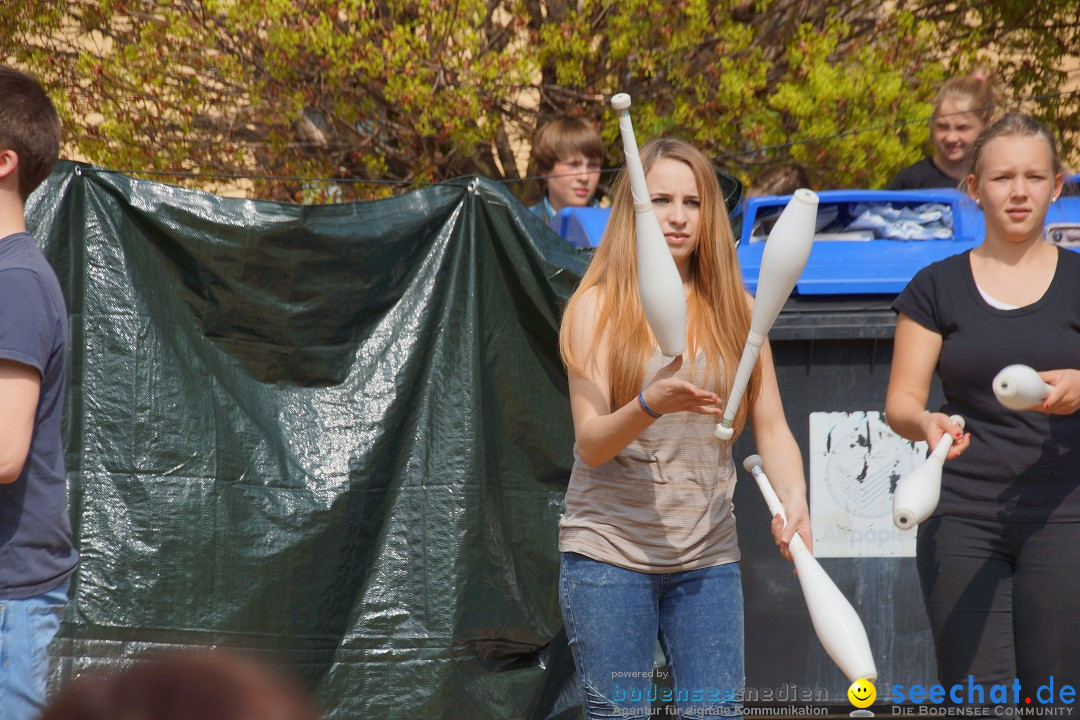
(667,394)
(936,425)
(1064,399)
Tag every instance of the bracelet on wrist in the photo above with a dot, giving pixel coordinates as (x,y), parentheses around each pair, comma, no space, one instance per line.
(649,411)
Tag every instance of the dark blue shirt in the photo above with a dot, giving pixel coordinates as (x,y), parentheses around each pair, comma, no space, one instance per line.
(36,552)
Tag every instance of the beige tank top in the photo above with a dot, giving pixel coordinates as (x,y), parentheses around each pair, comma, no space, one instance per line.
(663,504)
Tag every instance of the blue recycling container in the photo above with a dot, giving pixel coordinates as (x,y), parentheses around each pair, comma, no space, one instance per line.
(861,267)
(582,227)
(838,267)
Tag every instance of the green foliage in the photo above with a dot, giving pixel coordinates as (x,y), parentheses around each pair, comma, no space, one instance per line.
(826,99)
(1027,42)
(419,90)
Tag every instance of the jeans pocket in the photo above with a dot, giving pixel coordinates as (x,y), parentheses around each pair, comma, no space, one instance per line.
(43,622)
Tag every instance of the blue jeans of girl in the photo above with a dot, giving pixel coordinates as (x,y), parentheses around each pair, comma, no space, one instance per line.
(613,618)
(27,626)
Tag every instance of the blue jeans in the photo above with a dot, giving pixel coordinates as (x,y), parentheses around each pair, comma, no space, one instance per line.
(613,618)
(27,626)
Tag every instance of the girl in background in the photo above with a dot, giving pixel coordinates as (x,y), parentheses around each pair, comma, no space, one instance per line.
(962,108)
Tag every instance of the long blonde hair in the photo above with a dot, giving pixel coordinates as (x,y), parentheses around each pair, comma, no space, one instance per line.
(718,316)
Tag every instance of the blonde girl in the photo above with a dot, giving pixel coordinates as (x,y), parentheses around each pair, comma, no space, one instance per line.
(648,538)
(963,107)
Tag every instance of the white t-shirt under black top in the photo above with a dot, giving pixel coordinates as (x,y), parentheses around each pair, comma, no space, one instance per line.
(1022,466)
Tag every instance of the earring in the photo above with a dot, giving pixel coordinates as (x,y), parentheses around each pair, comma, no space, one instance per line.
(978,201)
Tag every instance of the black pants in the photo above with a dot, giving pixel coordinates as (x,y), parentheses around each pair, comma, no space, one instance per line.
(1004,603)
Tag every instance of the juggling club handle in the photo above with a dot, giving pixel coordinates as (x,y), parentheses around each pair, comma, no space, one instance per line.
(753,465)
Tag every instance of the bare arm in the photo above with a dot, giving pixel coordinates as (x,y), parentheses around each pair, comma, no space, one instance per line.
(782,458)
(915,355)
(20,386)
(600,433)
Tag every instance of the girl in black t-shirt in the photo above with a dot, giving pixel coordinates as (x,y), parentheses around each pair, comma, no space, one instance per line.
(963,107)
(997,561)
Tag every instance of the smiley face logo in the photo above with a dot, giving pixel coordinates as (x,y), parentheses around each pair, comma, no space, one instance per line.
(862,693)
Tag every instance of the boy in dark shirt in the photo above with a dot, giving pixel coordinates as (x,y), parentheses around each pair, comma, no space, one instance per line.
(37,557)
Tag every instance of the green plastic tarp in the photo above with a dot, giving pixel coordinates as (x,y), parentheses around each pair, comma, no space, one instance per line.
(336,437)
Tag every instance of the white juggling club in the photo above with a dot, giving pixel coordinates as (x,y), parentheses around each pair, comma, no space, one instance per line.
(659,283)
(786,252)
(917,493)
(1019,387)
(836,623)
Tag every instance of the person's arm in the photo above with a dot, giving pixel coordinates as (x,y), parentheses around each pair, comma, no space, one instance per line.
(20,386)
(600,433)
(782,459)
(915,355)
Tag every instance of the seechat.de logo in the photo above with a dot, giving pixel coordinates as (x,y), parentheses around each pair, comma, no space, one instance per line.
(1053,692)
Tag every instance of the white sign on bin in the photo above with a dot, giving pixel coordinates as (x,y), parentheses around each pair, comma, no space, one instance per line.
(855,463)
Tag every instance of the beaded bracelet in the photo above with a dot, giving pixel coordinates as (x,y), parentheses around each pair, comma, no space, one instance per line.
(641,401)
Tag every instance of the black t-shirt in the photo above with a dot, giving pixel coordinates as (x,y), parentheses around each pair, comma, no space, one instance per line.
(922,175)
(1022,465)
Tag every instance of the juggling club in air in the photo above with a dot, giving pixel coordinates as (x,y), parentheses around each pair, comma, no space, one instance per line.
(659,283)
(786,251)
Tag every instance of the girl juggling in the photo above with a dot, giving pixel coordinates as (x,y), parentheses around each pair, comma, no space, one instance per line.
(997,559)
(648,541)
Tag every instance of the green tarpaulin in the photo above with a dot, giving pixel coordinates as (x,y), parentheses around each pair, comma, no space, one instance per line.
(335,436)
